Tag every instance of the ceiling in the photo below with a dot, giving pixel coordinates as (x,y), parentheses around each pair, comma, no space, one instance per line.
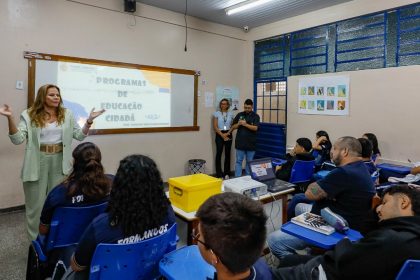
(214,10)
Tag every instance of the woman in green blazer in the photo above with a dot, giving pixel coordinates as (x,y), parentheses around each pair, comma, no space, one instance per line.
(48,129)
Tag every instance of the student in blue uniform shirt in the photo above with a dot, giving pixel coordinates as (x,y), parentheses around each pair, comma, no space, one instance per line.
(321,148)
(138,210)
(87,184)
(367,154)
(231,236)
(301,151)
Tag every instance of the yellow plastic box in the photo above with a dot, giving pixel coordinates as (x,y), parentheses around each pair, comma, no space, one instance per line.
(189,192)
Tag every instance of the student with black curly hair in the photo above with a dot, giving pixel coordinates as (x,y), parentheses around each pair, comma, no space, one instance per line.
(138,210)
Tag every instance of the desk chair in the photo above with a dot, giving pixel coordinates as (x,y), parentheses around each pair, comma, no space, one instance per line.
(185,263)
(409,271)
(318,239)
(321,174)
(302,171)
(66,228)
(133,261)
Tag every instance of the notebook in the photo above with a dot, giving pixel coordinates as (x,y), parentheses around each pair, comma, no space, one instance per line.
(262,171)
(313,222)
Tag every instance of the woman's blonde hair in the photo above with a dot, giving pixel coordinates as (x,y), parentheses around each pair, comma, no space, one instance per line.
(37,111)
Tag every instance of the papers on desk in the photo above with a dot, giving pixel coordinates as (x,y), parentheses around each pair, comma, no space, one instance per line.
(313,222)
(410,178)
(416,164)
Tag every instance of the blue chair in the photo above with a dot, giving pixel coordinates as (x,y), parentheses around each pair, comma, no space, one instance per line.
(66,228)
(132,261)
(321,174)
(409,271)
(375,176)
(399,169)
(302,171)
(318,239)
(185,263)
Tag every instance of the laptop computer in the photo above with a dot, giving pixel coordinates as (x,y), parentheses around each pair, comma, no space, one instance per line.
(262,171)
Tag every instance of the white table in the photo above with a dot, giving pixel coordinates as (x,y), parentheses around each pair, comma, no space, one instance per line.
(192,221)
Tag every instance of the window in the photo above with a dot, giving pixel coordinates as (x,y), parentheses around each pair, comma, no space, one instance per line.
(271,101)
(408,29)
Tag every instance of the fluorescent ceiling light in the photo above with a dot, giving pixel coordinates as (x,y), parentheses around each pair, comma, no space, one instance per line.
(244,6)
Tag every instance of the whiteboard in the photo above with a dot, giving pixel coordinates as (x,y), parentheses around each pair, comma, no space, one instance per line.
(136,98)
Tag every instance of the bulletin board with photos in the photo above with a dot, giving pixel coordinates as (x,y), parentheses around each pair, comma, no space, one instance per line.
(324,95)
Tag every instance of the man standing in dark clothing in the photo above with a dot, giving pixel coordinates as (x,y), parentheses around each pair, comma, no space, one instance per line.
(246,123)
(381,253)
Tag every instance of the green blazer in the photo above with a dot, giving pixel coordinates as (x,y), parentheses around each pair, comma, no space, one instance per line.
(31,133)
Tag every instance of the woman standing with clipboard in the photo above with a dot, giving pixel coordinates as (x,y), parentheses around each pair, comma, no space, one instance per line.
(48,130)
(222,121)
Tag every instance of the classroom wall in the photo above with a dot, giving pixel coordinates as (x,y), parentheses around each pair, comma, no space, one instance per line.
(100,29)
(382,101)
(154,37)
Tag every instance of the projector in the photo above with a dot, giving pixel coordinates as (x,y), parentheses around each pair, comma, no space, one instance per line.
(245,185)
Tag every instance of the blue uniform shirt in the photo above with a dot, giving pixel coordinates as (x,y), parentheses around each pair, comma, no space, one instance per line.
(350,190)
(58,198)
(100,231)
(259,271)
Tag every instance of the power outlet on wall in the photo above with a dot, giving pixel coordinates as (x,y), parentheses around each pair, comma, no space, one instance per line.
(19,85)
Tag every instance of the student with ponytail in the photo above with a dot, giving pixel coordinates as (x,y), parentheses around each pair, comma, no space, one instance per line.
(87,184)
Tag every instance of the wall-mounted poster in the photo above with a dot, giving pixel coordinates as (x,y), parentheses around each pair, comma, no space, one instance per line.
(324,95)
(231,93)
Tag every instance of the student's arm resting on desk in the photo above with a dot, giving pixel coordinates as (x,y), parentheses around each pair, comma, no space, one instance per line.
(314,192)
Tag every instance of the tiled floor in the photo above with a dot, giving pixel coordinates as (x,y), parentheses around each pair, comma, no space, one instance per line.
(13,246)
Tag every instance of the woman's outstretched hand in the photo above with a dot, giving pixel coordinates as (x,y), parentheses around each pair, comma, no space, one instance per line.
(5,110)
(94,114)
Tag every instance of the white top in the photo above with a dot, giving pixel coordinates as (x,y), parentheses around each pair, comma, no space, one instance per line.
(52,133)
(224,119)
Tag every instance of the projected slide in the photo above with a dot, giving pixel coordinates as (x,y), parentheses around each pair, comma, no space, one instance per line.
(132,98)
(137,98)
